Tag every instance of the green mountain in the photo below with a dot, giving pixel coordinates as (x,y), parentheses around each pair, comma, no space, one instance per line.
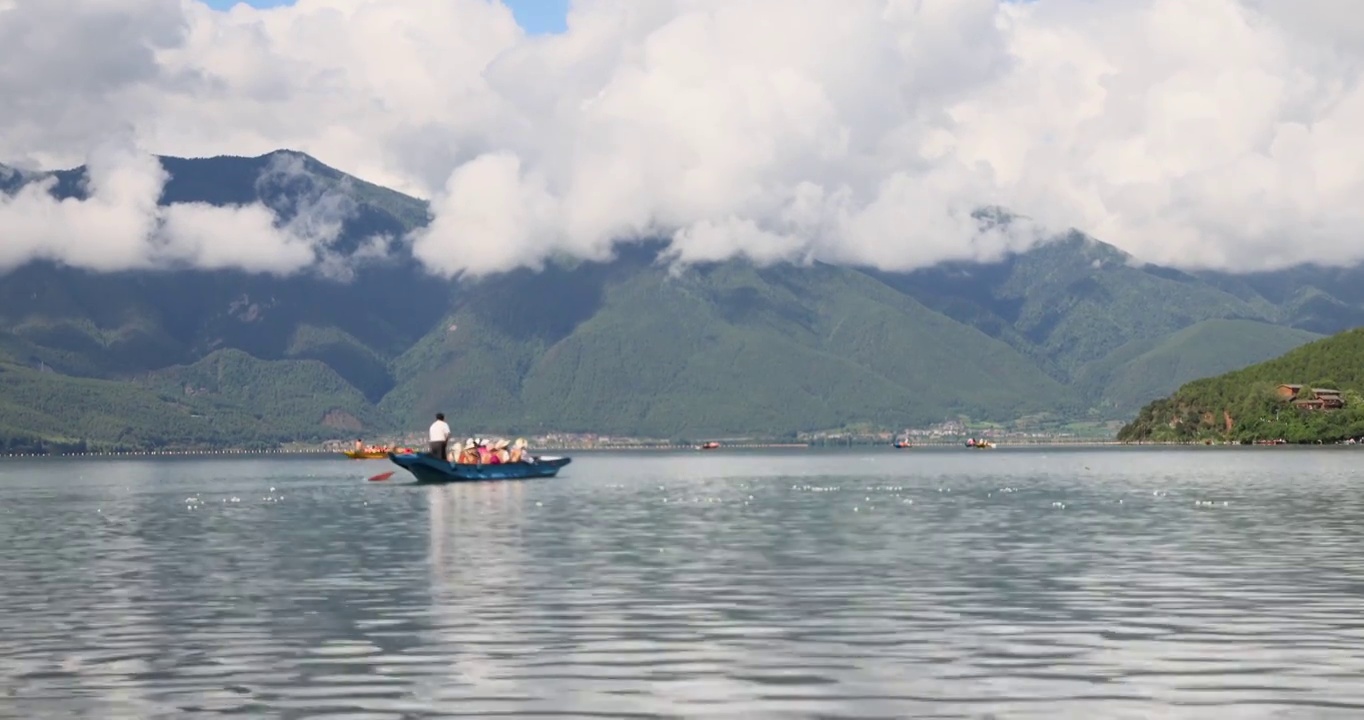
(1249,404)
(1123,379)
(1311,297)
(113,324)
(1075,301)
(727,348)
(1072,329)
(226,399)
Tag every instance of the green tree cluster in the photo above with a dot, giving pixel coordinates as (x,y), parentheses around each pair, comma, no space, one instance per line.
(1200,410)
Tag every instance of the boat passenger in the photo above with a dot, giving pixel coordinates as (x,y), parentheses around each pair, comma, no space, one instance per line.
(485,454)
(466,454)
(500,452)
(518,450)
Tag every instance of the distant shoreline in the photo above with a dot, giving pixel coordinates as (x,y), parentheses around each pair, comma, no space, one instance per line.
(1040,444)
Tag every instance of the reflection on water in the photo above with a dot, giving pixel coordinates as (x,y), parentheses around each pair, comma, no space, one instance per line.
(1006,584)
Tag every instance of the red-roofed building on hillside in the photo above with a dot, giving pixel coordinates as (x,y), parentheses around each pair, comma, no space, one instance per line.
(1312,399)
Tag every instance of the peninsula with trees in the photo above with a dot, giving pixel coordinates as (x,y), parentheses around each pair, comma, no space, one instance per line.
(1312,394)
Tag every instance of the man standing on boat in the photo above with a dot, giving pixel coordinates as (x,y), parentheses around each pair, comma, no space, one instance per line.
(439,436)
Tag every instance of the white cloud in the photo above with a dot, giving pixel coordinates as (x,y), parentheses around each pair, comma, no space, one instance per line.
(118,224)
(108,231)
(1217,133)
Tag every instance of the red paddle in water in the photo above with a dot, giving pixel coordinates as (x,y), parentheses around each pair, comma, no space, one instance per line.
(382,476)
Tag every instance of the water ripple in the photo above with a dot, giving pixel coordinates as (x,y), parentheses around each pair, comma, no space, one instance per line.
(927,584)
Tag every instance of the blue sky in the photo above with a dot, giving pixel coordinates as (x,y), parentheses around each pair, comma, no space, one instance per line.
(536,16)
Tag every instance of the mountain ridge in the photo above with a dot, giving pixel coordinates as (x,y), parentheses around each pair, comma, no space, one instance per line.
(1073,329)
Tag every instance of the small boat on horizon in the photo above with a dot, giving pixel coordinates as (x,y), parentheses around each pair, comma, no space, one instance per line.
(981,444)
(712,445)
(428,469)
(375,454)
(361,451)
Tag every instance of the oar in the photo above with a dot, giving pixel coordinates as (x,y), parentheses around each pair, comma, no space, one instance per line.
(382,476)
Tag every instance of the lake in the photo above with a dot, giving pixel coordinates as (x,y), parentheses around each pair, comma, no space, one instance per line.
(953,583)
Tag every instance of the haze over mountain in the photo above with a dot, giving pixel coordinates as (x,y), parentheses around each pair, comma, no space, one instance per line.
(748,214)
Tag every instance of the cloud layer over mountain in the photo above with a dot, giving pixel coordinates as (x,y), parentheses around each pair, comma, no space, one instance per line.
(119,225)
(1196,133)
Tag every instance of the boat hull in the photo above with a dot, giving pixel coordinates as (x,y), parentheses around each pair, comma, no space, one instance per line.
(428,469)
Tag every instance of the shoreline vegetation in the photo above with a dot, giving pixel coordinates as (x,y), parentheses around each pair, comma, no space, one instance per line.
(1311,395)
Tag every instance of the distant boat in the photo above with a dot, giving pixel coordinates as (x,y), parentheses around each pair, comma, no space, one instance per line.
(365,454)
(902,444)
(428,469)
(708,446)
(979,444)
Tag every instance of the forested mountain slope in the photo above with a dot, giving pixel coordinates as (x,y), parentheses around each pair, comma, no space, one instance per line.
(1073,328)
(1252,403)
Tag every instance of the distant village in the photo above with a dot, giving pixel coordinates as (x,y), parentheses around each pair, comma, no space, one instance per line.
(948,432)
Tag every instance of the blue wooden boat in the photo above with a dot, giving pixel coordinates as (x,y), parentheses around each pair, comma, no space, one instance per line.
(430,469)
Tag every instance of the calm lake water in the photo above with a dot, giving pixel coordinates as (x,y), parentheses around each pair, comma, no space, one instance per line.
(1122,583)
